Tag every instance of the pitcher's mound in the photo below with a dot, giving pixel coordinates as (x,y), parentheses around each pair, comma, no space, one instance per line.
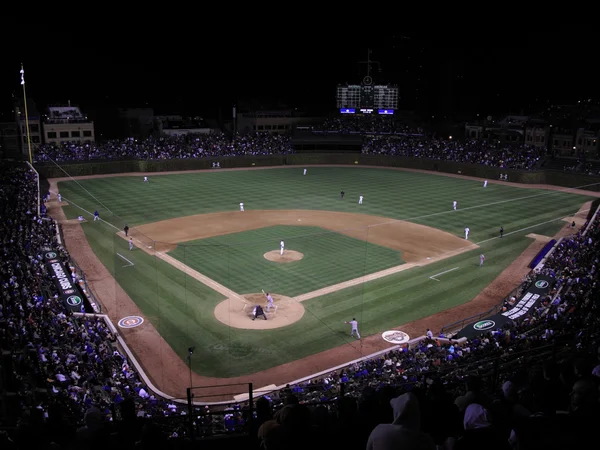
(237,313)
(287,257)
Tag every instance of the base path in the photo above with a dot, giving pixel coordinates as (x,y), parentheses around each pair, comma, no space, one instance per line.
(170,373)
(415,241)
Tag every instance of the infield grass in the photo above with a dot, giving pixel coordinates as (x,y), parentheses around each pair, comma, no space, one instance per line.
(182,309)
(236,260)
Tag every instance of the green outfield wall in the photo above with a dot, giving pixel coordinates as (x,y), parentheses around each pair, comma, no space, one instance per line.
(557,178)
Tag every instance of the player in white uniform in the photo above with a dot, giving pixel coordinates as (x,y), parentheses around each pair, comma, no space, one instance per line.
(59,198)
(241,207)
(145,179)
(304,171)
(481,259)
(467,230)
(269,302)
(454,205)
(360,199)
(130,244)
(354,331)
(282,247)
(485,183)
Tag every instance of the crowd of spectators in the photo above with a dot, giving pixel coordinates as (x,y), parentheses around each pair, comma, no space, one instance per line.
(435,395)
(70,384)
(507,156)
(167,147)
(56,367)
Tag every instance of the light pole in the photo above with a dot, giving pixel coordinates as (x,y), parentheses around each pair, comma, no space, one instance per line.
(26,114)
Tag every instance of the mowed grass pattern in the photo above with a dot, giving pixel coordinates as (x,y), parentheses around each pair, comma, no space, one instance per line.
(236,260)
(182,309)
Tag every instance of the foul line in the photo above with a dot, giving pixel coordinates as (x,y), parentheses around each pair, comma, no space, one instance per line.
(529,227)
(337,287)
(130,263)
(441,273)
(175,263)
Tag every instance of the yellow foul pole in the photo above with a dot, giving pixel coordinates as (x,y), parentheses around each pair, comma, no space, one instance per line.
(26,114)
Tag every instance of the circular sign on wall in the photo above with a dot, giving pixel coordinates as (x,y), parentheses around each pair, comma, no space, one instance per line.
(74,300)
(541,284)
(50,255)
(395,337)
(483,325)
(131,321)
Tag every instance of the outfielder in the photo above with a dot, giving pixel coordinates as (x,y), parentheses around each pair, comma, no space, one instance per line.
(269,302)
(241,207)
(467,230)
(59,198)
(354,331)
(96,215)
(282,247)
(360,199)
(481,259)
(454,203)
(485,183)
(145,179)
(304,171)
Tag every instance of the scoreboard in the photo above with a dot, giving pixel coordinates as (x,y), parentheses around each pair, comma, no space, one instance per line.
(367,96)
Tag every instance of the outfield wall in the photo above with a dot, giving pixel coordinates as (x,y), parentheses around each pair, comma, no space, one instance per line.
(557,178)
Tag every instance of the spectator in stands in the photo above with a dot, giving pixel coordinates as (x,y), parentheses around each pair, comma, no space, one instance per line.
(404,431)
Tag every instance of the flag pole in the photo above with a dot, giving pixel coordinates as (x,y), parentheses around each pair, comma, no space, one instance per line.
(26,114)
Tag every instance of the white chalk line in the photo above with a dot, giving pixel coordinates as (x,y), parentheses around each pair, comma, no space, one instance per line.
(130,263)
(310,294)
(177,264)
(442,273)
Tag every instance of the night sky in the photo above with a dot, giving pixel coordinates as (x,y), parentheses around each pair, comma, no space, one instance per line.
(198,74)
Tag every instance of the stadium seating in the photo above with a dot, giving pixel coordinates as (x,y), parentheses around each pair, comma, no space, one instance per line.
(65,382)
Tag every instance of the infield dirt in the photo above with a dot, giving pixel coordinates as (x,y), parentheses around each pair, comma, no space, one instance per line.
(169,373)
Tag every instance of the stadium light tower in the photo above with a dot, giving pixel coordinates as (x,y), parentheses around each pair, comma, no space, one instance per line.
(26,113)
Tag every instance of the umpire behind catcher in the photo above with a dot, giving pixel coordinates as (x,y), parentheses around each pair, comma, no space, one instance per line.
(258,311)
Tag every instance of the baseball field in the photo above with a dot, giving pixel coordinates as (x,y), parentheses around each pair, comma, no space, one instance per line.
(199,265)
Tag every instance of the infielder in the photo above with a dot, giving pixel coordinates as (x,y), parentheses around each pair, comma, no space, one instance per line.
(269,302)
(485,183)
(241,207)
(282,247)
(481,259)
(467,230)
(501,231)
(59,198)
(360,199)
(130,244)
(454,203)
(354,331)
(304,171)
(145,179)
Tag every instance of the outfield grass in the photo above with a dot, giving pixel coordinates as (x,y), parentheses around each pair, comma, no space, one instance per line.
(181,308)
(236,260)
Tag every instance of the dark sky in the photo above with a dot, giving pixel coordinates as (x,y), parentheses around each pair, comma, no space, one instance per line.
(199,73)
